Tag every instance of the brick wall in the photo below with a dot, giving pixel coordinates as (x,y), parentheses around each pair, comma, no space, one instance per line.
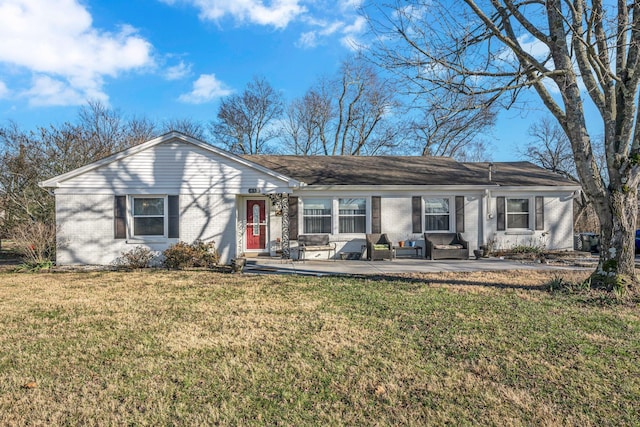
(86,236)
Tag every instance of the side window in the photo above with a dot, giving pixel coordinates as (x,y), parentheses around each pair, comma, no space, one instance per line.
(316,215)
(437,214)
(149,214)
(518,213)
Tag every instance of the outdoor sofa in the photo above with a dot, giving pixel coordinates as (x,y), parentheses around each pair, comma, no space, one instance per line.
(445,246)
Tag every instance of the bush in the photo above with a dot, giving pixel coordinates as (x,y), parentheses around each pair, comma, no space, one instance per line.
(34,267)
(197,254)
(35,242)
(138,257)
(525,249)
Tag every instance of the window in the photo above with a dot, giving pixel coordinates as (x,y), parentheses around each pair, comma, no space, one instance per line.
(317,216)
(148,216)
(436,214)
(352,215)
(334,215)
(517,213)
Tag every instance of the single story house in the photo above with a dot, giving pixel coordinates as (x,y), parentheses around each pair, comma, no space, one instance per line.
(176,188)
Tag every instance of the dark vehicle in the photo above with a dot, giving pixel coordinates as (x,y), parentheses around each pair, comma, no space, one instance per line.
(637,241)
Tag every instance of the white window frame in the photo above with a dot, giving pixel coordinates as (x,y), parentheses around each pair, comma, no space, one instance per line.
(131,217)
(530,212)
(364,215)
(328,199)
(451,213)
(335,214)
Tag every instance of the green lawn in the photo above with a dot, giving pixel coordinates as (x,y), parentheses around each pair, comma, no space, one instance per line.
(197,348)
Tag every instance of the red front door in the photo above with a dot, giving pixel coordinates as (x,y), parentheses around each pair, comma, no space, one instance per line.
(256,225)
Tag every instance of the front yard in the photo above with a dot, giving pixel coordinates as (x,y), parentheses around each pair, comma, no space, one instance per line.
(197,348)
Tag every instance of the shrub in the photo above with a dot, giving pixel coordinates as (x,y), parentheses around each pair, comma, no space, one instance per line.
(196,254)
(34,267)
(138,257)
(525,249)
(35,242)
(559,284)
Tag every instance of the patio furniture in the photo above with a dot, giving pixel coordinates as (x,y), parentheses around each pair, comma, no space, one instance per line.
(314,242)
(379,247)
(416,248)
(445,246)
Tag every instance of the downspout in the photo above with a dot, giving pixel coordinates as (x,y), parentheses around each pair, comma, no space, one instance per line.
(486,216)
(486,209)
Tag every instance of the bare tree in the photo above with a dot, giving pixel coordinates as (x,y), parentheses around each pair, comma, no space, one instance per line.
(20,170)
(189,127)
(246,122)
(354,113)
(139,130)
(550,148)
(364,100)
(306,122)
(28,157)
(500,49)
(451,125)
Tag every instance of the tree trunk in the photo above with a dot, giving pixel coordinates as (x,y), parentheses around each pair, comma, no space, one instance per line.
(616,267)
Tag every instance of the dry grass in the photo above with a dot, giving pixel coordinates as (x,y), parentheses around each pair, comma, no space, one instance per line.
(194,348)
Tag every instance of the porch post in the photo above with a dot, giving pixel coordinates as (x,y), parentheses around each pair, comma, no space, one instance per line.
(241,225)
(284,206)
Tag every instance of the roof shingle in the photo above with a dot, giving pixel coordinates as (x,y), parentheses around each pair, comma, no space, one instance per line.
(406,170)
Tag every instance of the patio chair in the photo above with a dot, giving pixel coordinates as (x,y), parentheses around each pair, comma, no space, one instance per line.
(379,247)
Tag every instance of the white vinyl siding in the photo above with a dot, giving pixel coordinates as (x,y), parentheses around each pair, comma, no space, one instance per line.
(174,168)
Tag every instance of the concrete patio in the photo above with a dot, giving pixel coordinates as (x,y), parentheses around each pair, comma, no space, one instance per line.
(266,265)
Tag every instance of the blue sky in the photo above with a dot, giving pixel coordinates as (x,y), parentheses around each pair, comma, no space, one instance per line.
(175,58)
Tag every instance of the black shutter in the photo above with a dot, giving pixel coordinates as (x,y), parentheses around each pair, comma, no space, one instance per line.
(120,217)
(416,214)
(539,213)
(460,214)
(174,216)
(376,218)
(500,211)
(293,218)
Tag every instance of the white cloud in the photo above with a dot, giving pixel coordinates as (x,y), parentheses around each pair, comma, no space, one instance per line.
(311,39)
(48,91)
(205,89)
(177,72)
(4,90)
(323,19)
(276,13)
(347,5)
(69,57)
(308,40)
(351,33)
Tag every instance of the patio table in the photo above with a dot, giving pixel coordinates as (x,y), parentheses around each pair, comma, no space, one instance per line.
(418,250)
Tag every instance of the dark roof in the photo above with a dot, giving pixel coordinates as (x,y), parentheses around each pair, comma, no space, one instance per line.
(405,170)
(519,174)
